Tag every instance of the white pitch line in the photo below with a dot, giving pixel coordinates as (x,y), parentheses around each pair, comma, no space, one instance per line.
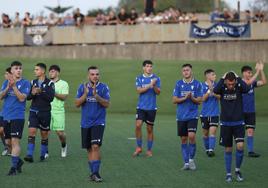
(131,138)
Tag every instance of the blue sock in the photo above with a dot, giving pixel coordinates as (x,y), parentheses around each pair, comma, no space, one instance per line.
(30,149)
(228,162)
(95,166)
(31,145)
(212,142)
(250,142)
(239,158)
(149,145)
(206,143)
(185,152)
(90,167)
(14,161)
(139,142)
(44,147)
(192,150)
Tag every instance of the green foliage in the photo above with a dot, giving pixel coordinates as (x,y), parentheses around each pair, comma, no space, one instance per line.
(189,5)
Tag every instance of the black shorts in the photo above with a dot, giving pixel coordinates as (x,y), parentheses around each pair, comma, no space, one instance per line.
(1,121)
(40,120)
(228,133)
(13,128)
(187,126)
(91,136)
(250,120)
(147,116)
(208,122)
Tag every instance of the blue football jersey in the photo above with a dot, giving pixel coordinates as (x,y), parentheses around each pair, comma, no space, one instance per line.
(147,100)
(12,107)
(93,113)
(249,99)
(210,107)
(187,110)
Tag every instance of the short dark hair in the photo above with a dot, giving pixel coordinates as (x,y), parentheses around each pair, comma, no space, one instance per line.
(92,68)
(187,65)
(8,70)
(246,68)
(147,62)
(208,71)
(15,63)
(42,65)
(230,76)
(54,67)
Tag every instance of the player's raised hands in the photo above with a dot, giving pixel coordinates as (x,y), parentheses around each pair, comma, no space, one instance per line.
(86,90)
(93,85)
(153,82)
(261,65)
(224,76)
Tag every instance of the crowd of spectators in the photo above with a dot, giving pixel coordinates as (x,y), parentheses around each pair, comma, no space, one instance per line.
(52,20)
(170,15)
(233,16)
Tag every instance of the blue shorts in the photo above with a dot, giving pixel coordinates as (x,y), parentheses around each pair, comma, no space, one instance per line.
(208,122)
(91,136)
(40,120)
(147,116)
(13,128)
(186,126)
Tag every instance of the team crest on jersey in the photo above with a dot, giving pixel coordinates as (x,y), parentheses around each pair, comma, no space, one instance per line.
(182,86)
(192,87)
(19,86)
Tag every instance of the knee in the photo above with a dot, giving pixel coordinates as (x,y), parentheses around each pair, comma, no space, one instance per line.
(149,129)
(250,132)
(95,148)
(192,138)
(240,146)
(184,140)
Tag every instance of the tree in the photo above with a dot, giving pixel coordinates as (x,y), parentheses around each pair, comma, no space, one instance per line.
(259,5)
(184,5)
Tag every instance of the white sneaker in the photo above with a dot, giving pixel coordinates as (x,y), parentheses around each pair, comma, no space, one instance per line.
(46,155)
(64,151)
(5,152)
(185,166)
(192,165)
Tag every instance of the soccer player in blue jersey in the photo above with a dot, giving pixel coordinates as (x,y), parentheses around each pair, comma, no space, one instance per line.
(42,94)
(148,87)
(210,112)
(187,95)
(14,92)
(231,87)
(249,102)
(6,142)
(93,97)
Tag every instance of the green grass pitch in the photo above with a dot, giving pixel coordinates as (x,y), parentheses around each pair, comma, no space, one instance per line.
(118,168)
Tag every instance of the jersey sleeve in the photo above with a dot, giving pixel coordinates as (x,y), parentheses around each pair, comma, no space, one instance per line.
(65,89)
(176,91)
(255,84)
(26,88)
(4,85)
(244,88)
(138,82)
(80,91)
(199,90)
(204,89)
(106,93)
(158,82)
(218,88)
